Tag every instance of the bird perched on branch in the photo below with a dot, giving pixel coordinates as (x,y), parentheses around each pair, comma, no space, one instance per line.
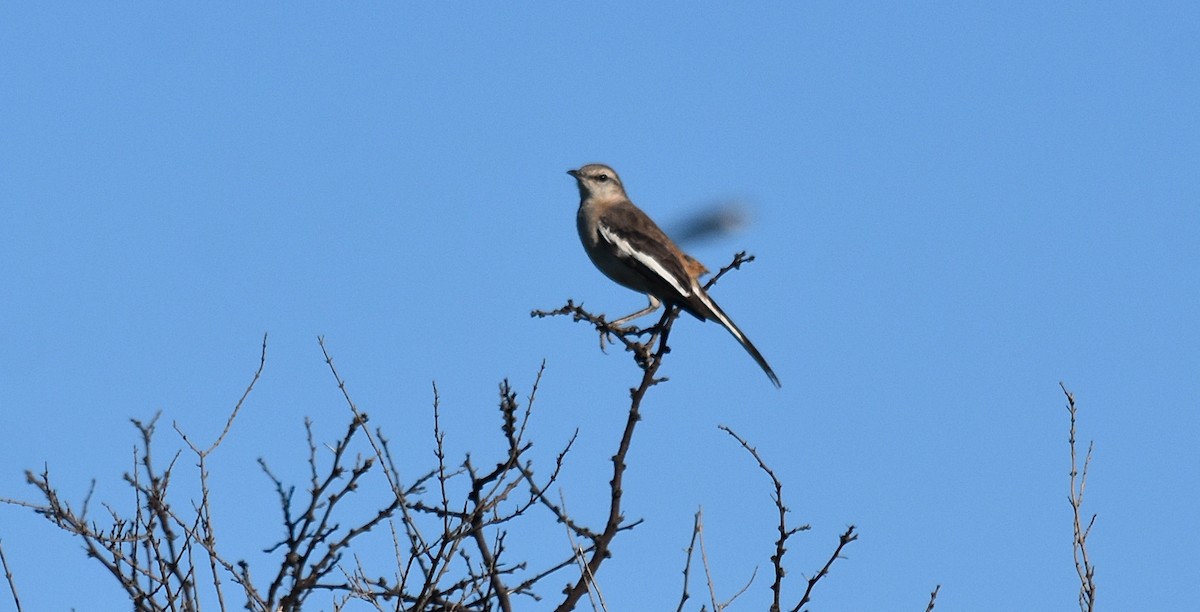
(629,248)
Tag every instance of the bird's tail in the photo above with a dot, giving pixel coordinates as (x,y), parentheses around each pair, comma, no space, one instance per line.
(715,312)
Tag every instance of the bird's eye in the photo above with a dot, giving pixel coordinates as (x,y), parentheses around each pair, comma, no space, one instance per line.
(602,178)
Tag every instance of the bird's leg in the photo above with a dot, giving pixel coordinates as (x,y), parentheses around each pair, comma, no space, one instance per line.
(654,304)
(615,327)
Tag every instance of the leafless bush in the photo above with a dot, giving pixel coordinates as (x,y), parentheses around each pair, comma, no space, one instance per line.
(446,530)
(449,549)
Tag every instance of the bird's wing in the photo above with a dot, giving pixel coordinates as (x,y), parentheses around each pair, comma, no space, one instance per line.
(669,274)
(640,244)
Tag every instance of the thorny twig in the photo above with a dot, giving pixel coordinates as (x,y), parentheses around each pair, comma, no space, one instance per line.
(687,564)
(718,606)
(847,537)
(12,585)
(1083,564)
(784,532)
(933,597)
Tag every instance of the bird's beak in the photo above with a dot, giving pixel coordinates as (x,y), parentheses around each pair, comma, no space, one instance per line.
(574,173)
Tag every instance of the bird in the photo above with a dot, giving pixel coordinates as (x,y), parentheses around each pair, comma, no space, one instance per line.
(627,246)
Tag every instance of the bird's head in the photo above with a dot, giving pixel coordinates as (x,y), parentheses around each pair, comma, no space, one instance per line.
(598,181)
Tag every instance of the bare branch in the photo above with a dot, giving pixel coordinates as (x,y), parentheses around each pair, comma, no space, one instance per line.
(12,585)
(262,362)
(846,538)
(648,355)
(781,527)
(739,258)
(718,606)
(687,565)
(1083,565)
(933,598)
(613,525)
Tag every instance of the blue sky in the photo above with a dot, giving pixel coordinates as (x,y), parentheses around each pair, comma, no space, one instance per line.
(954,207)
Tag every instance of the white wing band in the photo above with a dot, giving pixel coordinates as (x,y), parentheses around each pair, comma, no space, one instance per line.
(627,250)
